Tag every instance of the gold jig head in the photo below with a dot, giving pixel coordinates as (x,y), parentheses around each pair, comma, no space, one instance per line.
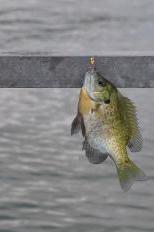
(92,60)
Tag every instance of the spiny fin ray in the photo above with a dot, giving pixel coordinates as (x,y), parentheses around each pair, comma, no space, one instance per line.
(128,111)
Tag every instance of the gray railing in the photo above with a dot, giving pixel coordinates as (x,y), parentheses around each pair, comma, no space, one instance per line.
(68,72)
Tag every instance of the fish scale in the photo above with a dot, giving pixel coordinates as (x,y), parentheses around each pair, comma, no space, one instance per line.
(109,126)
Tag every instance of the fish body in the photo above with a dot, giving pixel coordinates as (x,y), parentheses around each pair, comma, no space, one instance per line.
(109,125)
(102,124)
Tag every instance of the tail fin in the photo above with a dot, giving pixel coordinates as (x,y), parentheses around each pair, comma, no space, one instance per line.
(128,173)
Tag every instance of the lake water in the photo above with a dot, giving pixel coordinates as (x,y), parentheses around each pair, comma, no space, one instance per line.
(46,181)
(70,27)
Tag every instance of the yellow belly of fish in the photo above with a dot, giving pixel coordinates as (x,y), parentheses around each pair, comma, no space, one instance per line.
(86,105)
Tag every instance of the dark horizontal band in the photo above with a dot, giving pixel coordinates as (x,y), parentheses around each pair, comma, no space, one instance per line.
(68,72)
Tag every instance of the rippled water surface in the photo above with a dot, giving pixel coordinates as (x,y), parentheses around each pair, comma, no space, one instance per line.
(47,184)
(70,27)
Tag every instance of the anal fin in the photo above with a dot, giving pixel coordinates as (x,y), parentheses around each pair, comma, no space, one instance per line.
(94,156)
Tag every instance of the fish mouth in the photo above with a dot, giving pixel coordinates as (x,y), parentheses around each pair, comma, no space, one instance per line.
(91,96)
(89,87)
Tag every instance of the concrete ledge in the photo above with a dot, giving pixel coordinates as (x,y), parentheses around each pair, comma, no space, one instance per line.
(68,72)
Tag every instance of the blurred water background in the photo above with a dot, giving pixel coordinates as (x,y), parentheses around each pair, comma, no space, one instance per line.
(46,182)
(70,27)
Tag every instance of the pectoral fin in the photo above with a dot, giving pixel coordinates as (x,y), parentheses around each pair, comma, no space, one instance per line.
(77,125)
(94,156)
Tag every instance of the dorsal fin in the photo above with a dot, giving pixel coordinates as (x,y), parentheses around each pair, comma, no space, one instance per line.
(128,110)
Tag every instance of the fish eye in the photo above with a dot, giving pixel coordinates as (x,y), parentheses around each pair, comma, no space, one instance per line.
(101,82)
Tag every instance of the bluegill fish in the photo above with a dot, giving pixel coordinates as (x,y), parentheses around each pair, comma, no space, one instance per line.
(109,126)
